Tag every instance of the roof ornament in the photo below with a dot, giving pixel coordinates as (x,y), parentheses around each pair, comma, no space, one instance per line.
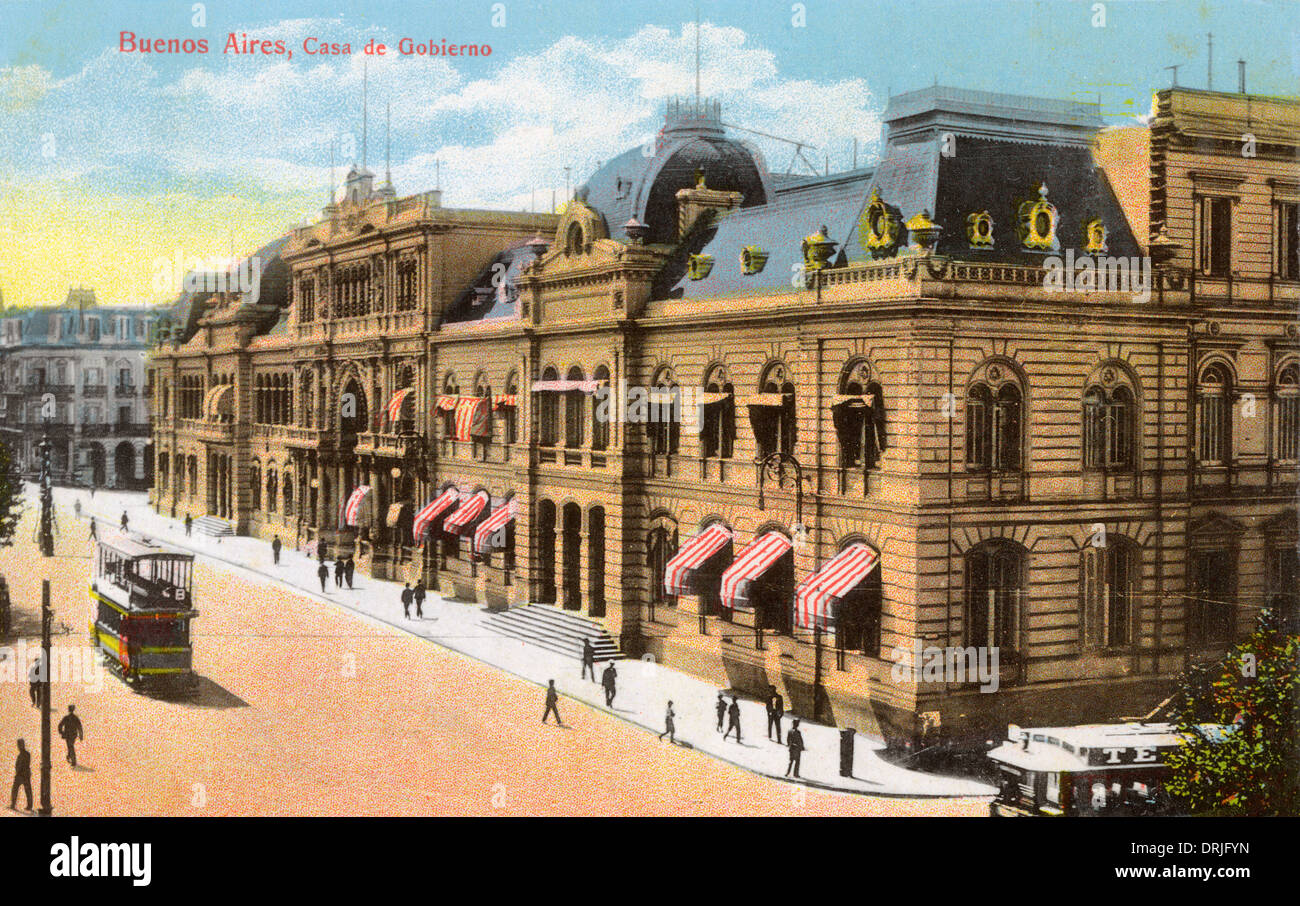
(817,250)
(636,231)
(924,231)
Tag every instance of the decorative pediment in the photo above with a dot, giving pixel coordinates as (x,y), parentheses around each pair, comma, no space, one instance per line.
(1217,526)
(581,226)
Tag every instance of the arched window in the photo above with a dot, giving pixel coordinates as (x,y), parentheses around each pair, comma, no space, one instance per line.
(272,488)
(574,418)
(718,436)
(858,617)
(255,483)
(601,410)
(1109,583)
(994,591)
(548,412)
(288,493)
(771,413)
(308,400)
(858,413)
(994,407)
(664,425)
(573,239)
(1214,416)
(510,410)
(1109,412)
(661,545)
(1286,414)
(450,391)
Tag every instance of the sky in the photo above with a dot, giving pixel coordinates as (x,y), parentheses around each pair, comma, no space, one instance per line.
(112,160)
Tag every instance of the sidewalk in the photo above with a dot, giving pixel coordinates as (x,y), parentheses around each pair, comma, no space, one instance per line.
(644,688)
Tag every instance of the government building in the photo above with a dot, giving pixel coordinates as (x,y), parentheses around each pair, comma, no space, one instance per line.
(88,360)
(1024,385)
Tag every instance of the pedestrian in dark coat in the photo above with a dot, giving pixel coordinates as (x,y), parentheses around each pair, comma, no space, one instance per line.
(35,673)
(552,702)
(608,678)
(794,741)
(775,711)
(70,731)
(22,776)
(733,718)
(670,729)
(93,533)
(124,520)
(323,572)
(275,549)
(339,569)
(417,595)
(407,597)
(189,523)
(721,707)
(588,659)
(349,569)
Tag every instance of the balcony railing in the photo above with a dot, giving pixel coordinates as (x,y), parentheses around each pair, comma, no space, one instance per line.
(94,391)
(124,389)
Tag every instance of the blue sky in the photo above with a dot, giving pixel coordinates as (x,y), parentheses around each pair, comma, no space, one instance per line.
(108,160)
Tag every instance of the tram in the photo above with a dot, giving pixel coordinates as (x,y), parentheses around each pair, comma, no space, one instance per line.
(140,596)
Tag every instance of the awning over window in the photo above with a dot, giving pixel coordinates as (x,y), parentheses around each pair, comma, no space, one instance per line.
(217,401)
(485,536)
(445,403)
(708,399)
(395,404)
(432,510)
(680,571)
(504,399)
(564,386)
(774,400)
(854,399)
(394,514)
(750,565)
(352,512)
(471,509)
(472,418)
(816,595)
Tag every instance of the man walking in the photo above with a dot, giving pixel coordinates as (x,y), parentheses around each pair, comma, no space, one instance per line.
(775,711)
(189,524)
(552,701)
(417,595)
(349,568)
(588,659)
(721,707)
(22,777)
(124,520)
(275,550)
(669,729)
(324,572)
(607,681)
(339,569)
(36,673)
(76,508)
(407,596)
(733,718)
(794,740)
(70,730)
(93,534)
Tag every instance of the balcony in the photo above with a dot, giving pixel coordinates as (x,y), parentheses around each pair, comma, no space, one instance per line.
(132,428)
(94,391)
(397,446)
(124,390)
(95,430)
(61,391)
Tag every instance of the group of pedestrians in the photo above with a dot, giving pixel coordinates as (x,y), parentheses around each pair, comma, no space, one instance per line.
(415,596)
(775,707)
(344,568)
(70,730)
(608,676)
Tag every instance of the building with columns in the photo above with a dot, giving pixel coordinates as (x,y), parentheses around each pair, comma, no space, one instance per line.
(1023,385)
(87,360)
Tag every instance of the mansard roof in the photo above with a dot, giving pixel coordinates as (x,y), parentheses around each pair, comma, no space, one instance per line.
(492,297)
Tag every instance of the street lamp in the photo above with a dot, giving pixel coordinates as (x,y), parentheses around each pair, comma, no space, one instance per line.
(47,615)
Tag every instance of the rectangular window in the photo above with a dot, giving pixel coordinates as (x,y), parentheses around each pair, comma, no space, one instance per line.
(1287,256)
(1216,236)
(1287,427)
(1212,593)
(1210,416)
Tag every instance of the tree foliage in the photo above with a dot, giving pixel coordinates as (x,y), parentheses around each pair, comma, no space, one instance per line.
(11,496)
(1252,765)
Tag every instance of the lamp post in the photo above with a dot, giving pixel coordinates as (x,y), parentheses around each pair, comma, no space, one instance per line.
(47,616)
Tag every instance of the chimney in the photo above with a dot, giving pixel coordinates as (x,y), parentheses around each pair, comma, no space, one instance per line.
(699,202)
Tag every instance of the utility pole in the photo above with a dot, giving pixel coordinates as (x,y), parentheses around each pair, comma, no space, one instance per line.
(47,616)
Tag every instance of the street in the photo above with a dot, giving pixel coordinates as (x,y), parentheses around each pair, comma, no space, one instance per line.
(306,709)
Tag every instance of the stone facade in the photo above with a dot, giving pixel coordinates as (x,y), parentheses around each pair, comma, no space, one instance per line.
(1097,481)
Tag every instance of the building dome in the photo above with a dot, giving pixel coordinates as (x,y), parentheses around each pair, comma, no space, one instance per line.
(642,183)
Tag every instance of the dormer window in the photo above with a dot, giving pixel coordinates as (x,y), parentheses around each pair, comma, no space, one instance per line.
(573,240)
(1038,220)
(880,227)
(1094,235)
(979,230)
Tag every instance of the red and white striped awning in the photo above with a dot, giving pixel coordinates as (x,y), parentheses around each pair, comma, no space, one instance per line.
(432,510)
(457,522)
(680,570)
(471,418)
(395,404)
(445,403)
(839,575)
(485,534)
(352,512)
(762,552)
(562,386)
(504,399)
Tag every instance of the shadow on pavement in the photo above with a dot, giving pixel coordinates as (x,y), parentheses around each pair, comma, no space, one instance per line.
(207,695)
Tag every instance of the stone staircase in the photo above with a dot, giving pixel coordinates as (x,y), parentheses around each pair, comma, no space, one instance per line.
(557,630)
(213,526)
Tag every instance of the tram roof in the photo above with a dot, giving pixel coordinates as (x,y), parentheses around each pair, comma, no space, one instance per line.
(140,546)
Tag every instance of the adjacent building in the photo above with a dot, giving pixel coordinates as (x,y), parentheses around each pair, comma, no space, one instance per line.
(82,365)
(1025,385)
